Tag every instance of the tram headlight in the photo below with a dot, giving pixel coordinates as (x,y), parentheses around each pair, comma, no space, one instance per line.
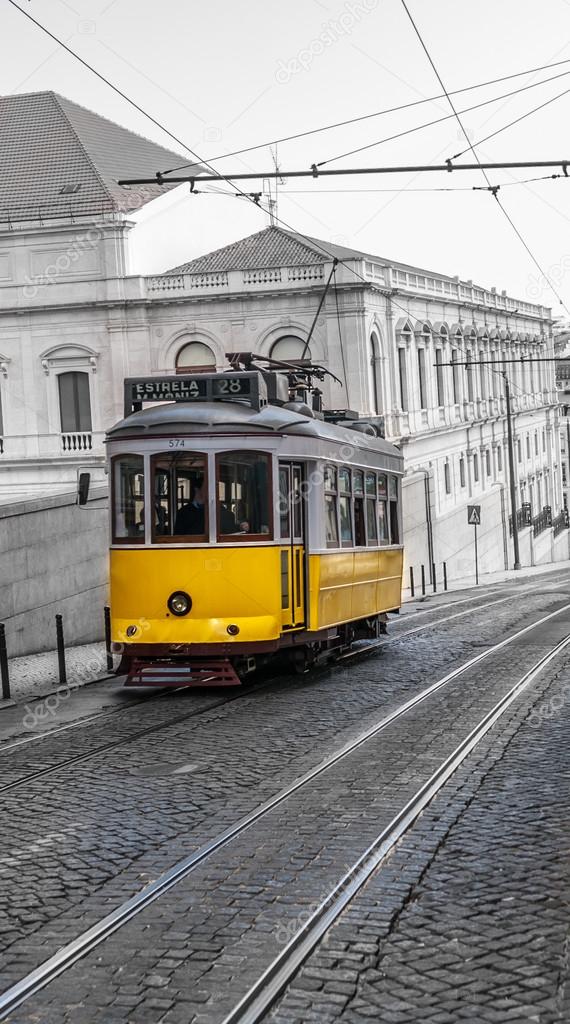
(179,603)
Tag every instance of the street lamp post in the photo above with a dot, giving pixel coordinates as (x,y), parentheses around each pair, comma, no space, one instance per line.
(512,488)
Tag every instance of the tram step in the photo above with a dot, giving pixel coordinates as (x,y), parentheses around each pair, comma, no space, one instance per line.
(212,672)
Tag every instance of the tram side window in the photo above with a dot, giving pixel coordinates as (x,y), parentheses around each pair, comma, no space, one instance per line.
(331,507)
(371,518)
(393,494)
(284,502)
(180,510)
(383,526)
(358,492)
(128,498)
(244,503)
(344,503)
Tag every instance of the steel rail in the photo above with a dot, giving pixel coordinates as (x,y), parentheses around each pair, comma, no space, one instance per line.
(367,648)
(90,939)
(270,985)
(104,715)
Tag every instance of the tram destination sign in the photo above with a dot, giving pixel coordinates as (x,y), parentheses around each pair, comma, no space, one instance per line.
(244,386)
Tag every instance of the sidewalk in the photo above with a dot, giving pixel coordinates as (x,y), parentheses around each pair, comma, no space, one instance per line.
(506,575)
(36,675)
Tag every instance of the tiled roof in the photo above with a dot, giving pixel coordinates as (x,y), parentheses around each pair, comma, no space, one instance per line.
(275,247)
(48,143)
(272,247)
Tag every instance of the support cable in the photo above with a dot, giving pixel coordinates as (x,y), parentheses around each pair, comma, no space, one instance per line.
(471,147)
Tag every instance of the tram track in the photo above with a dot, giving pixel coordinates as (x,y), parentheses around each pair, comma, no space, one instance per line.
(368,648)
(478,601)
(268,986)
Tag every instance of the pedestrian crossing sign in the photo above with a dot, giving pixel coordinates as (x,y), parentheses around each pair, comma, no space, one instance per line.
(474,515)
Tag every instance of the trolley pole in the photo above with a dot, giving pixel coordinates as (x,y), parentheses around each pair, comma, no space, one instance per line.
(512,487)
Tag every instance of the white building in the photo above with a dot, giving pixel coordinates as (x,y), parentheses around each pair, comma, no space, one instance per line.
(76,318)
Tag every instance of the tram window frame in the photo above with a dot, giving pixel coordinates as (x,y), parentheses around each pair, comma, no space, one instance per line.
(138,538)
(345,501)
(358,508)
(173,510)
(330,484)
(371,511)
(383,517)
(393,510)
(284,503)
(239,537)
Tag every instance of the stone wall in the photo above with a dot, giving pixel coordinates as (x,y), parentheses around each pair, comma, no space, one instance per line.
(53,559)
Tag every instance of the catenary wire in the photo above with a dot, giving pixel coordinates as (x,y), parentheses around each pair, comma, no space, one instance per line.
(377,113)
(448,117)
(475,154)
(315,243)
(517,120)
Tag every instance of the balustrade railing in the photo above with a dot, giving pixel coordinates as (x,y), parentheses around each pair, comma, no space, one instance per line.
(524,518)
(82,441)
(561,522)
(542,521)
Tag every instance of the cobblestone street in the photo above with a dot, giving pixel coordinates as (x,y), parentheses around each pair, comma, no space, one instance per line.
(465,918)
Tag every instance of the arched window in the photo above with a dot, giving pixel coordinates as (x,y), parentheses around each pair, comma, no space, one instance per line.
(195,356)
(290,349)
(375,375)
(74,402)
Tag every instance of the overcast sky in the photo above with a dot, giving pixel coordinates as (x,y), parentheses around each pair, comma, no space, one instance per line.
(227,75)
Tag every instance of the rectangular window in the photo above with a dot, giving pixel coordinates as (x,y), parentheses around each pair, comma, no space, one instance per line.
(358,493)
(519,450)
(462,471)
(488,461)
(74,402)
(284,502)
(128,499)
(475,468)
(544,440)
(469,374)
(331,507)
(371,519)
(500,459)
(422,377)
(439,377)
(447,477)
(483,375)
(394,521)
(536,442)
(180,489)
(403,378)
(528,446)
(455,376)
(243,496)
(383,525)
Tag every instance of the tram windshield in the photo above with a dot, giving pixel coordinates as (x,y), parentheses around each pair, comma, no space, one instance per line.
(180,492)
(244,506)
(128,498)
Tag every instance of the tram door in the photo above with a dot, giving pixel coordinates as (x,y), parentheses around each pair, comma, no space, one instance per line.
(292,526)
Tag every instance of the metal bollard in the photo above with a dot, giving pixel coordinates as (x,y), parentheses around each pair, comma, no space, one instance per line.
(107,613)
(412,581)
(444,576)
(60,650)
(4,664)
(423,582)
(433,578)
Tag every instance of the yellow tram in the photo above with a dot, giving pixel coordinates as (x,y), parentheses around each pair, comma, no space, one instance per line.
(243,524)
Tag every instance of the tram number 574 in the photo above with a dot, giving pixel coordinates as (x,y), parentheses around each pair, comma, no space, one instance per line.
(176,442)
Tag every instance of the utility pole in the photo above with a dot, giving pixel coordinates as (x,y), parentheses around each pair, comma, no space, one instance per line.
(512,486)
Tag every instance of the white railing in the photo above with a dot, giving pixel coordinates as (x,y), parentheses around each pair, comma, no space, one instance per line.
(310,272)
(265,275)
(81,441)
(463,291)
(218,280)
(181,282)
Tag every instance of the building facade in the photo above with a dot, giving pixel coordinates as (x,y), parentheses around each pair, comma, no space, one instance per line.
(424,351)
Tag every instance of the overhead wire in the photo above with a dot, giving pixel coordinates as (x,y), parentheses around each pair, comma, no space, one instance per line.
(315,243)
(475,154)
(380,113)
(510,124)
(448,117)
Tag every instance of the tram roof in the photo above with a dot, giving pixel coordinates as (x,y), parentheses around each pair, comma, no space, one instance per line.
(219,417)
